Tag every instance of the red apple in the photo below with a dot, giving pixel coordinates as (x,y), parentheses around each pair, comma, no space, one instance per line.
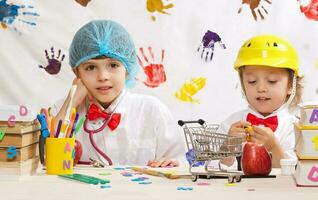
(256,160)
(78,151)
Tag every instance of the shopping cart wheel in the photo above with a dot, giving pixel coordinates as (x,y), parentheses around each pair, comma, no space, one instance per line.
(194,178)
(238,178)
(230,179)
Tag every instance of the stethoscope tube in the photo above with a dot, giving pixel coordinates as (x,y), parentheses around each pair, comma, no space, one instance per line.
(91,139)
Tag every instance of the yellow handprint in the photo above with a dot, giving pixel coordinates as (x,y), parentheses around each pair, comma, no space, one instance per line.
(157,6)
(189,89)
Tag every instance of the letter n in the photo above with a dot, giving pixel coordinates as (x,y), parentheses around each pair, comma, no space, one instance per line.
(66,164)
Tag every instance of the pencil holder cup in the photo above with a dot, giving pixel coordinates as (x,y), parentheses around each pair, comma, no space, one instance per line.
(59,155)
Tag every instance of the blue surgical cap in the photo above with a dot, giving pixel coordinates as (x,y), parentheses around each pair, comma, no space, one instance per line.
(105,38)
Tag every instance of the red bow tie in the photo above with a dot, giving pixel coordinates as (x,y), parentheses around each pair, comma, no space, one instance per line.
(270,122)
(94,112)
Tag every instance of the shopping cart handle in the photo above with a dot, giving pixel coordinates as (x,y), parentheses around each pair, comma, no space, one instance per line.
(200,121)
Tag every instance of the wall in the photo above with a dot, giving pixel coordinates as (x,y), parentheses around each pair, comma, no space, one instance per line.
(179,33)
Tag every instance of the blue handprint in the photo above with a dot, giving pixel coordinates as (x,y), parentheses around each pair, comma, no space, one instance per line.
(9,13)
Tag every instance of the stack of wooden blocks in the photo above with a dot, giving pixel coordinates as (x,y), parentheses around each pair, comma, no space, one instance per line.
(307,146)
(19,151)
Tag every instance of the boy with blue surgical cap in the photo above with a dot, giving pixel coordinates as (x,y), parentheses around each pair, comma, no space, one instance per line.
(129,129)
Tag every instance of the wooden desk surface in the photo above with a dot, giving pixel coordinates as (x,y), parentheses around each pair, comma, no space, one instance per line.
(50,187)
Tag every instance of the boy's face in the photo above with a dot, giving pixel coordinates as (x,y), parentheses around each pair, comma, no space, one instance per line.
(104,78)
(266,88)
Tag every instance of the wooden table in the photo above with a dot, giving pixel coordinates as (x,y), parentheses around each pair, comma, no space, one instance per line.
(51,187)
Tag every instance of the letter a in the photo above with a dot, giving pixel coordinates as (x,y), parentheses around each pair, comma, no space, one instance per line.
(67,148)
(314,116)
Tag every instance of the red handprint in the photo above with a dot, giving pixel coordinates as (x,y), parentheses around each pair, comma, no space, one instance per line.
(255,4)
(310,11)
(155,73)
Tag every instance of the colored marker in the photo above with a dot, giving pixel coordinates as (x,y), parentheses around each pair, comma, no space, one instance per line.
(69,129)
(58,129)
(45,112)
(52,127)
(74,125)
(80,124)
(44,130)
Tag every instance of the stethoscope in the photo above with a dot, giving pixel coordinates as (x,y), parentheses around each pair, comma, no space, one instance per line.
(91,132)
(91,139)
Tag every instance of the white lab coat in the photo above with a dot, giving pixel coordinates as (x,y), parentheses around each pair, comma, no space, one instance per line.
(146,132)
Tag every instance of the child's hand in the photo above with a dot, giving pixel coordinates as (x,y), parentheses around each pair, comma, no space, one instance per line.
(81,93)
(163,163)
(265,136)
(237,129)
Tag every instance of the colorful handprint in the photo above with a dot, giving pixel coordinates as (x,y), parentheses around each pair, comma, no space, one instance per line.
(9,13)
(157,6)
(207,45)
(83,2)
(256,5)
(311,10)
(54,64)
(189,89)
(154,72)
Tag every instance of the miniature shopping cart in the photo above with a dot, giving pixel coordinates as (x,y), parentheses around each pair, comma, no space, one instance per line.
(207,144)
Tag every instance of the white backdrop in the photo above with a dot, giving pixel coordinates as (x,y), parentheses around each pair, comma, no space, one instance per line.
(22,47)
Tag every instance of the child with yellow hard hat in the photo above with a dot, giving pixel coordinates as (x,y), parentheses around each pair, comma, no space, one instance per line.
(268,68)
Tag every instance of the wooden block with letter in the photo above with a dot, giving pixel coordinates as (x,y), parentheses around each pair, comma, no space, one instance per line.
(27,167)
(307,173)
(306,142)
(22,154)
(20,140)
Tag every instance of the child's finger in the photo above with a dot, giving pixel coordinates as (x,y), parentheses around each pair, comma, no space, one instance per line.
(156,163)
(150,162)
(242,124)
(74,81)
(174,163)
(240,133)
(165,163)
(263,130)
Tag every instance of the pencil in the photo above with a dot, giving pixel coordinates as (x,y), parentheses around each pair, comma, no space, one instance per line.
(155,173)
(69,108)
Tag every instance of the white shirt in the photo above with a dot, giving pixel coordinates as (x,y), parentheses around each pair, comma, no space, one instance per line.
(146,132)
(284,133)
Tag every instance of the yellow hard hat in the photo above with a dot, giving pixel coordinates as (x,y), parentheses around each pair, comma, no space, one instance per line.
(268,50)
